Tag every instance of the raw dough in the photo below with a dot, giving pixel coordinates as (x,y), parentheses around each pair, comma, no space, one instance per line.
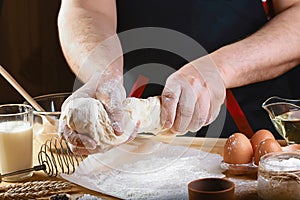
(88,116)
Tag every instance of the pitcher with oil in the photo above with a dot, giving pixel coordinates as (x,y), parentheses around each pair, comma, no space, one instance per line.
(285,116)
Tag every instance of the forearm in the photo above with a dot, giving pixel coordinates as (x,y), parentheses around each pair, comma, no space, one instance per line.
(88,39)
(266,54)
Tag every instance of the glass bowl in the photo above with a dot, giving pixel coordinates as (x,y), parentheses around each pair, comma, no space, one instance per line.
(45,124)
(278,176)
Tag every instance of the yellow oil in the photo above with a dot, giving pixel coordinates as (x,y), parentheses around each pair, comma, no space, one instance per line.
(288,126)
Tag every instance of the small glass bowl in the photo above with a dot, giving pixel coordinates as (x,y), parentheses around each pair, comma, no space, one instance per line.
(45,124)
(278,176)
(239,169)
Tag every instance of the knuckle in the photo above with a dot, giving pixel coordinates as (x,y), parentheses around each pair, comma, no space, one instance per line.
(115,112)
(168,95)
(185,111)
(195,83)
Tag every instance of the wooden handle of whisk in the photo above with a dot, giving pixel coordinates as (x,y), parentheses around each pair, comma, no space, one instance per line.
(28,98)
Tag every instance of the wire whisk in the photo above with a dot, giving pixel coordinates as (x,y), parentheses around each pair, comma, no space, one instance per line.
(54,157)
(57,158)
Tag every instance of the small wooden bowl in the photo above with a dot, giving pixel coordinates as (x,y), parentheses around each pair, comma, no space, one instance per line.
(211,188)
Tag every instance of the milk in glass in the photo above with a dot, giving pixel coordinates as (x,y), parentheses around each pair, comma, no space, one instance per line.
(15,148)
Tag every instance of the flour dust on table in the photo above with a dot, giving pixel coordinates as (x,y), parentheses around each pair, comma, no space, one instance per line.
(155,175)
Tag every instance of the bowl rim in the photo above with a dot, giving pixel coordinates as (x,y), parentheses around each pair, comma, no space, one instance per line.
(231,188)
(283,154)
(28,110)
(57,94)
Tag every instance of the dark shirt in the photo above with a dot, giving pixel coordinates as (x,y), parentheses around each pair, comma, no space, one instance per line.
(213,24)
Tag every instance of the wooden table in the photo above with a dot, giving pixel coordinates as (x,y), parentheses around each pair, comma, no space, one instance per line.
(212,145)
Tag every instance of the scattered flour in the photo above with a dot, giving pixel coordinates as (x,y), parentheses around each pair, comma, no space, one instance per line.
(88,197)
(162,174)
(245,188)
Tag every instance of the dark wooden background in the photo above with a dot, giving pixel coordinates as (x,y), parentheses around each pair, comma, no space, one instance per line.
(30,49)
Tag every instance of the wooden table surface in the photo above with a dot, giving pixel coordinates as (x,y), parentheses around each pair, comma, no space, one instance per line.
(212,145)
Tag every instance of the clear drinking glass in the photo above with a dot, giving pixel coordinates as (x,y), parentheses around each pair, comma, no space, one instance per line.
(16,139)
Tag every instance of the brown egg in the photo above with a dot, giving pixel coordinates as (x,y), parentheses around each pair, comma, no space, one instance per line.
(266,146)
(260,136)
(237,149)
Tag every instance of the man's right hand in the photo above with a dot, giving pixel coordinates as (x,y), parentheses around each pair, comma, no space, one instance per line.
(108,88)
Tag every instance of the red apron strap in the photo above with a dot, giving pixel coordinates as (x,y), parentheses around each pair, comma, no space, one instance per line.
(232,105)
(268,8)
(237,114)
(139,86)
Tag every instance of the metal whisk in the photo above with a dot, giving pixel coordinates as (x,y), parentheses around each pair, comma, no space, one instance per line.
(54,157)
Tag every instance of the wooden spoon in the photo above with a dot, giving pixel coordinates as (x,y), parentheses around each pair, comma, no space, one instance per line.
(28,98)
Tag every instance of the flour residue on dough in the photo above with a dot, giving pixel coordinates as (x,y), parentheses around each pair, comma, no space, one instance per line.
(88,116)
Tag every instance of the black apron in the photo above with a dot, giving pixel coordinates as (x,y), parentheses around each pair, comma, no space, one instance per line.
(213,24)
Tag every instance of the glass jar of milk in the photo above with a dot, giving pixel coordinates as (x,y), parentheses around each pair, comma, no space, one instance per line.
(16,121)
(279,176)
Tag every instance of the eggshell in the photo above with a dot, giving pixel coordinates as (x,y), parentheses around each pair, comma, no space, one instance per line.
(237,149)
(266,146)
(260,136)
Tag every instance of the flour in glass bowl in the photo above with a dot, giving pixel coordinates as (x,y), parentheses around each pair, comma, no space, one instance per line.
(279,176)
(283,165)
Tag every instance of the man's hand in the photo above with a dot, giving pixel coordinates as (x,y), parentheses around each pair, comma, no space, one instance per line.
(108,88)
(192,96)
